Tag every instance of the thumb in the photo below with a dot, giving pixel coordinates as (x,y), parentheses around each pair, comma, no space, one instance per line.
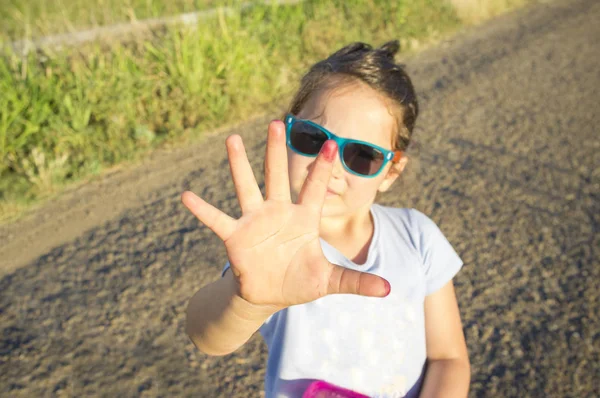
(348,281)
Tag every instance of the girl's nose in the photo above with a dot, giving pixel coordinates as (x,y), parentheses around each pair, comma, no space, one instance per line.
(338,167)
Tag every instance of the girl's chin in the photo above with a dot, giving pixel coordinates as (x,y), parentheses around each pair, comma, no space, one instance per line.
(332,207)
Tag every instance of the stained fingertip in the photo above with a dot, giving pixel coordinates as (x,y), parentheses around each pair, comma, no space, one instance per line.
(387,287)
(328,150)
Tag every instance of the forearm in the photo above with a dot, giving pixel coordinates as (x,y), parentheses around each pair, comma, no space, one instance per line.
(219,321)
(446,378)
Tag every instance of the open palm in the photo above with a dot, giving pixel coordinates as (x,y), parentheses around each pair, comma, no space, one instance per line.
(274,248)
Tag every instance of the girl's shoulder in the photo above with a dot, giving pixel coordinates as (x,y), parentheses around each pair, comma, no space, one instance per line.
(439,261)
(414,227)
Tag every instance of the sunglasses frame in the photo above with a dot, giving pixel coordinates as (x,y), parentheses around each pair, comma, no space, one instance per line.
(388,155)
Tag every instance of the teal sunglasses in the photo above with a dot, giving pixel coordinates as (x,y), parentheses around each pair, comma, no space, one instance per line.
(358,157)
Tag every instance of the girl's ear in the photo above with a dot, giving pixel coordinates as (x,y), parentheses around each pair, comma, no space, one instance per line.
(393,173)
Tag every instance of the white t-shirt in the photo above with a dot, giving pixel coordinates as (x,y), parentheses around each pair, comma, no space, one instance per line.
(375,346)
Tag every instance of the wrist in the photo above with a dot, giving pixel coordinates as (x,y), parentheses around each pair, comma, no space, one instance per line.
(246,310)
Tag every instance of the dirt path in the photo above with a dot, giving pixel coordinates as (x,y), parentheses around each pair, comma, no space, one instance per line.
(94,286)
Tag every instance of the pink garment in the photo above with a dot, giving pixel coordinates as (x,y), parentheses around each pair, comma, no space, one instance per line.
(322,389)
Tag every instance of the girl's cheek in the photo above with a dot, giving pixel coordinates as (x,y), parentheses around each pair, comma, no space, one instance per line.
(361,189)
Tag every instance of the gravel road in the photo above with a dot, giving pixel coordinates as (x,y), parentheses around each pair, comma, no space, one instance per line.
(94,285)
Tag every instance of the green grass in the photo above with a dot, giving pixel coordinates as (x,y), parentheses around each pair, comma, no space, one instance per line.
(67,116)
(34,18)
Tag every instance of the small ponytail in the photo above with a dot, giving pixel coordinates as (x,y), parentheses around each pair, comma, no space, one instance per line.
(351,48)
(390,49)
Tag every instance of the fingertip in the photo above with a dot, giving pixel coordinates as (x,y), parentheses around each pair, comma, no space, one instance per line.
(188,198)
(379,287)
(276,127)
(387,288)
(183,195)
(233,141)
(329,149)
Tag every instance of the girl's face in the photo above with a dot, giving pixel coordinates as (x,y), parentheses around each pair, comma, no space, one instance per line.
(352,111)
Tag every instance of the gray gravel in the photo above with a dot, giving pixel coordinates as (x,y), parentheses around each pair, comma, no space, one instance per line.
(508,166)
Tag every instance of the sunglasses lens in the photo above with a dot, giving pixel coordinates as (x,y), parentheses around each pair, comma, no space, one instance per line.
(307,138)
(363,159)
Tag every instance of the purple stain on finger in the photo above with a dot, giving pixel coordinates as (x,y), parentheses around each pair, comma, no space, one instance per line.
(388,287)
(328,150)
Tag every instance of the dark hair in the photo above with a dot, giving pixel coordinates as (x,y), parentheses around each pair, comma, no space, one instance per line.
(375,67)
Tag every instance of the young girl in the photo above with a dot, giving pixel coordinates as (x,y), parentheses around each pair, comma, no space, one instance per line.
(342,289)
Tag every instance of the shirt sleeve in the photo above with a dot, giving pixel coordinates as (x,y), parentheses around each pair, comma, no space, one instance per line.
(440,261)
(227,266)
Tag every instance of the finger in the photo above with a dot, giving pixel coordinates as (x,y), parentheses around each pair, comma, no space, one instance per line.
(218,222)
(248,193)
(276,164)
(313,191)
(344,280)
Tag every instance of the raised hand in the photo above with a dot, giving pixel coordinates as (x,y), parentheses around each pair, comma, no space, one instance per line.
(274,248)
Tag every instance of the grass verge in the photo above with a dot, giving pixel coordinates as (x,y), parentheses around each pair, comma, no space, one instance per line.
(34,18)
(67,116)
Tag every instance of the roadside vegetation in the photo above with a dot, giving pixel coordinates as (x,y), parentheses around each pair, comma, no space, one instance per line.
(26,19)
(67,115)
